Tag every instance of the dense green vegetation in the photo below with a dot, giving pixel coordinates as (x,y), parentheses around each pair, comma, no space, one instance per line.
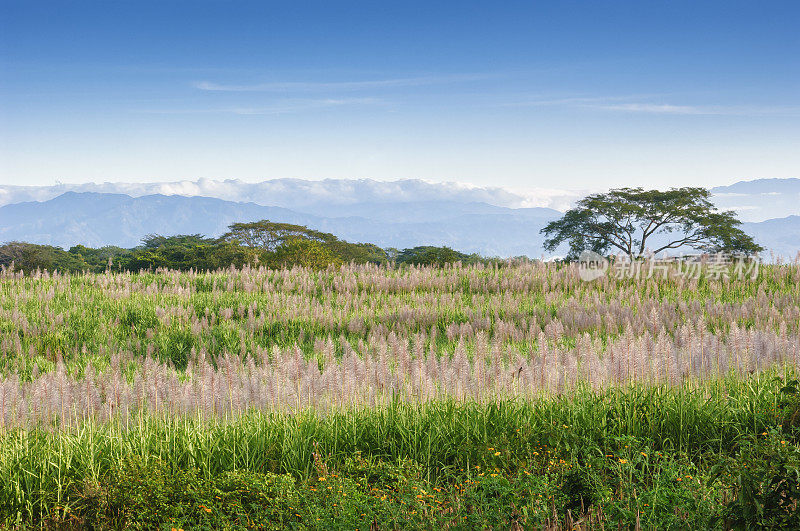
(459,397)
(714,456)
(259,243)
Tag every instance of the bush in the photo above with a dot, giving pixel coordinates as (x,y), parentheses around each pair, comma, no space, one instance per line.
(766,483)
(146,494)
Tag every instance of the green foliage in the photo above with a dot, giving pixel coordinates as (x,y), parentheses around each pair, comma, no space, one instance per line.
(714,451)
(148,493)
(765,480)
(360,253)
(789,407)
(433,256)
(265,243)
(470,465)
(30,257)
(175,346)
(183,253)
(269,235)
(304,253)
(96,260)
(625,219)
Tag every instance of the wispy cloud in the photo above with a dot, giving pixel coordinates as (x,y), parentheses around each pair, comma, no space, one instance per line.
(641,105)
(313,86)
(656,108)
(576,101)
(707,110)
(275,108)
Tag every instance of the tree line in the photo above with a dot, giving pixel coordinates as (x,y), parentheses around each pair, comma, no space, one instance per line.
(261,243)
(624,220)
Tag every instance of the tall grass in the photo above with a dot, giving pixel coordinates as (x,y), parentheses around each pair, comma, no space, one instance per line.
(75,348)
(45,468)
(297,371)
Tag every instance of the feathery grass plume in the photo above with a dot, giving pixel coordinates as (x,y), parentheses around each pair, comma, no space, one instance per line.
(94,347)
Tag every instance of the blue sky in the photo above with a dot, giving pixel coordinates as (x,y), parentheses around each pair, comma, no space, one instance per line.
(569,95)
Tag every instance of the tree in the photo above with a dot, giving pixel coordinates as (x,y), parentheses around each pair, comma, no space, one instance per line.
(262,243)
(392,253)
(360,253)
(98,260)
(627,219)
(268,235)
(303,252)
(429,255)
(185,241)
(28,256)
(185,251)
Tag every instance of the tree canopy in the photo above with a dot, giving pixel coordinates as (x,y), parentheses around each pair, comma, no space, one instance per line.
(627,220)
(430,255)
(261,243)
(268,235)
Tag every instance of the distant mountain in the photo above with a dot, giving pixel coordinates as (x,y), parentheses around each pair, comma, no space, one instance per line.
(419,211)
(780,236)
(116,219)
(761,186)
(760,199)
(96,219)
(491,221)
(309,196)
(755,201)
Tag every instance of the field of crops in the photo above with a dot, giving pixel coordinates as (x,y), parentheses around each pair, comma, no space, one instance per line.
(367,397)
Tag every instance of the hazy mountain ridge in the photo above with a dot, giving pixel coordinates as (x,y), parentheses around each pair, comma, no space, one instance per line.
(306,195)
(756,200)
(761,199)
(780,235)
(116,219)
(97,219)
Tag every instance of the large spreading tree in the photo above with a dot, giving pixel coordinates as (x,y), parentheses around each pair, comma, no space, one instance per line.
(269,235)
(285,244)
(628,220)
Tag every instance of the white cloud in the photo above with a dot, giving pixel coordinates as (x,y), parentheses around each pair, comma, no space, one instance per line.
(277,107)
(656,108)
(742,208)
(309,195)
(300,193)
(644,104)
(313,86)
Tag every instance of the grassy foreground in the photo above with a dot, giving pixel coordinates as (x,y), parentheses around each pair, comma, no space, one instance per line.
(715,455)
(363,397)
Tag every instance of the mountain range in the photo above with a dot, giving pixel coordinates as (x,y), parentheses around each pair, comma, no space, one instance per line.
(326,197)
(490,221)
(761,199)
(97,219)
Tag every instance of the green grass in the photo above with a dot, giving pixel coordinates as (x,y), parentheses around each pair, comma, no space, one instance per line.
(667,457)
(721,452)
(102,314)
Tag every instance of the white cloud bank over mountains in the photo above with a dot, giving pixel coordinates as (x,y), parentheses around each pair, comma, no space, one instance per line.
(305,195)
(755,201)
(488,220)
